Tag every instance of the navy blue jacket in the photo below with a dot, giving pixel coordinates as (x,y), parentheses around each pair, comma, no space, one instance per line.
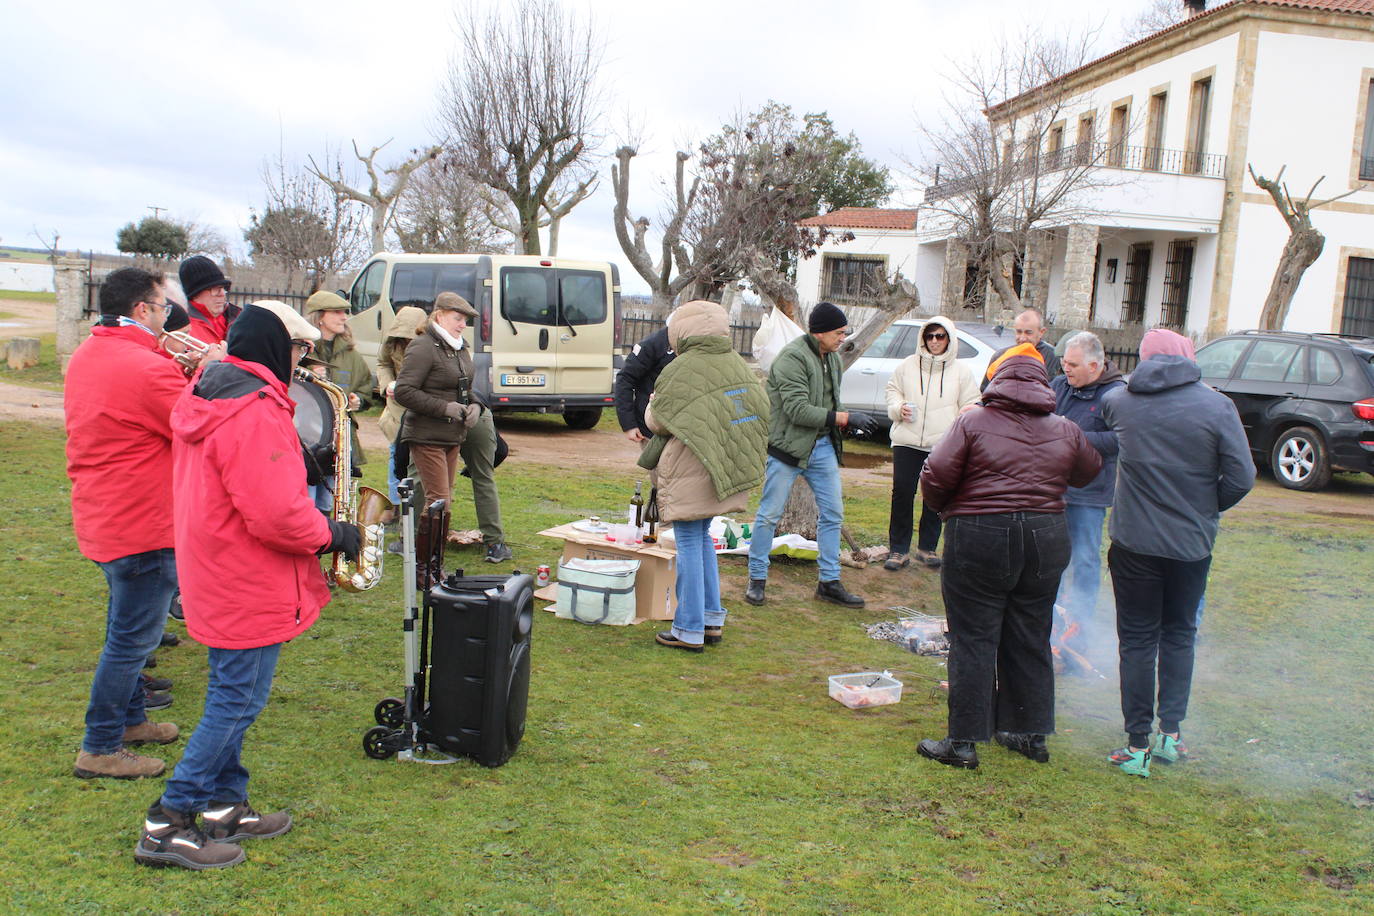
(1084,407)
(1183,461)
(636,379)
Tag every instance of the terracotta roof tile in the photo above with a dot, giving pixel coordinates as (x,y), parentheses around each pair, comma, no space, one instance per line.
(1358,7)
(865,218)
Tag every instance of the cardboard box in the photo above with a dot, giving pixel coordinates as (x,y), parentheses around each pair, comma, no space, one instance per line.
(655,583)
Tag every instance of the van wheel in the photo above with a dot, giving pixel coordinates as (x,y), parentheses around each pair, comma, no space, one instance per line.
(582,418)
(1299,460)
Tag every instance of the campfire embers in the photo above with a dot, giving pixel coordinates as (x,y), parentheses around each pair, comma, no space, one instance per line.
(1063,636)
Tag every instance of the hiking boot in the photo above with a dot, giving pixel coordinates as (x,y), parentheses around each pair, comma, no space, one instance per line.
(172,838)
(170,639)
(1168,749)
(156,683)
(949,752)
(928,558)
(175,611)
(498,553)
(121,764)
(1131,761)
(713,636)
(896,561)
(232,822)
(1031,746)
(147,732)
(667,638)
(836,593)
(156,699)
(754,593)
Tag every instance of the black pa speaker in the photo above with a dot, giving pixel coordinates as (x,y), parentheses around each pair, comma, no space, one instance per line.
(479,680)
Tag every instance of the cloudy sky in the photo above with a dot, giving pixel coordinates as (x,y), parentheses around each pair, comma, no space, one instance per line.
(109,109)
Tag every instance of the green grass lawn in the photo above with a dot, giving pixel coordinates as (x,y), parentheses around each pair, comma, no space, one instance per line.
(652,781)
(32,295)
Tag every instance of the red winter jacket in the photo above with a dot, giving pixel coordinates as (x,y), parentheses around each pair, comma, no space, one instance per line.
(1010,455)
(247,533)
(208,329)
(118,397)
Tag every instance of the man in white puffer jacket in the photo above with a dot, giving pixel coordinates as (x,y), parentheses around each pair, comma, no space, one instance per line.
(926,392)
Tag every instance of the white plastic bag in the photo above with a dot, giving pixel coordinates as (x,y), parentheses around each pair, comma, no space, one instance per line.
(775,332)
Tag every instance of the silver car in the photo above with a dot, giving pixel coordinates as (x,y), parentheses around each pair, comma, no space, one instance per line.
(864,384)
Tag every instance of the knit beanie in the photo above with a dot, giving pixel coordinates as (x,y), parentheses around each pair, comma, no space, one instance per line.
(826,317)
(176,318)
(1029,350)
(198,273)
(1163,342)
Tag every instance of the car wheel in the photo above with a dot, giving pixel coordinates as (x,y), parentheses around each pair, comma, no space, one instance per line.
(1299,460)
(583,418)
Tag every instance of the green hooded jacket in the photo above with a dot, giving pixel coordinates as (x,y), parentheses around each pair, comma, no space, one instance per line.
(802,408)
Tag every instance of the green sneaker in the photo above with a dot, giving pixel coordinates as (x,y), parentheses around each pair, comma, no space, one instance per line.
(1168,750)
(1133,763)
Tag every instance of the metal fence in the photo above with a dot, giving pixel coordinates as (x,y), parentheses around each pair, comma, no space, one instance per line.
(1124,360)
(633,330)
(239,297)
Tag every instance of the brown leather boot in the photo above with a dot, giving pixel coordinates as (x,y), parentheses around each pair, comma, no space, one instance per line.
(233,822)
(173,838)
(147,732)
(121,764)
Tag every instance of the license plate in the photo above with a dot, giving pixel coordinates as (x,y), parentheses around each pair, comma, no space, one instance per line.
(521,379)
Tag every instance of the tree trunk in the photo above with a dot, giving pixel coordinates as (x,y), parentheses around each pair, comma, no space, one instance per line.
(1301,250)
(554,223)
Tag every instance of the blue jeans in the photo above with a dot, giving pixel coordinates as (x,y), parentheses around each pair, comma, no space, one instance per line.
(322,494)
(823,474)
(698,582)
(210,770)
(141,589)
(1078,589)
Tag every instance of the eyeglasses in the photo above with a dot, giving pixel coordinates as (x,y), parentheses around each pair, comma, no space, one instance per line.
(937,335)
(157,305)
(305,346)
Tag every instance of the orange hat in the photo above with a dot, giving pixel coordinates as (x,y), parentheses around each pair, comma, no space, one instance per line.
(1025,349)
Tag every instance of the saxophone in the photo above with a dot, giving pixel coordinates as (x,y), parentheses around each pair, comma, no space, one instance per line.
(353,505)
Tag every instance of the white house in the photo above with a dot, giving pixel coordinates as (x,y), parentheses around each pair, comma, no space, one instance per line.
(883,244)
(1182,236)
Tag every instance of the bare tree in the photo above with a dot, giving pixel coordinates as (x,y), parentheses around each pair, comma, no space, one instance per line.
(202,238)
(998,169)
(522,104)
(1154,16)
(305,227)
(50,247)
(442,210)
(378,199)
(1302,249)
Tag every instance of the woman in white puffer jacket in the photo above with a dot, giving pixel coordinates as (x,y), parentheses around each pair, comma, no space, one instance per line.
(925,394)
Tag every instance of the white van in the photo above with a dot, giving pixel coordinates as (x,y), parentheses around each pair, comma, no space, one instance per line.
(547,332)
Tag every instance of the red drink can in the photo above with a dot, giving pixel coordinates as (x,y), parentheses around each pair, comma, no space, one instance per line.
(541,576)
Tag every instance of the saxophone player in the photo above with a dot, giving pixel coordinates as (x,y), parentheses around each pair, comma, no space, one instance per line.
(247,536)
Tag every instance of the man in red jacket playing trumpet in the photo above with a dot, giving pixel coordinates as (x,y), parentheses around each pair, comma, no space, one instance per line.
(247,536)
(118,402)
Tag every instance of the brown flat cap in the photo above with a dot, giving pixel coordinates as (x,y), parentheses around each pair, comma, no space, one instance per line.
(454,303)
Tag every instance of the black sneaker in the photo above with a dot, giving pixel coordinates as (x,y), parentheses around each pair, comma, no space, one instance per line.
(499,553)
(836,593)
(666,638)
(1031,746)
(231,822)
(172,838)
(950,753)
(170,639)
(156,699)
(156,683)
(754,593)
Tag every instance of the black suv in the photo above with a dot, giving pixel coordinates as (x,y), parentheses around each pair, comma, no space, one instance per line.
(1306,400)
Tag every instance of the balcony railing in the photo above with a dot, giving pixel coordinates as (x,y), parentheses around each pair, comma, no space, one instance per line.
(1095,155)
(1367,167)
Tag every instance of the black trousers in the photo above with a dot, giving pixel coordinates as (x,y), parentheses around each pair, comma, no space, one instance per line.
(1156,625)
(906,473)
(999,579)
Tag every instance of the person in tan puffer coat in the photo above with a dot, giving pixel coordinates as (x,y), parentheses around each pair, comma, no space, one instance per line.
(408,324)
(709,415)
(925,395)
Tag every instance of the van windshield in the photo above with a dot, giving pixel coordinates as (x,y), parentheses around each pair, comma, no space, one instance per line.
(419,284)
(533,295)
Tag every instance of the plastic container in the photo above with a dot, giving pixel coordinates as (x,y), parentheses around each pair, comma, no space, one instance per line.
(865,688)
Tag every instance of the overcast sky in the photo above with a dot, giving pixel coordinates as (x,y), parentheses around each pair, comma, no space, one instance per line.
(111,108)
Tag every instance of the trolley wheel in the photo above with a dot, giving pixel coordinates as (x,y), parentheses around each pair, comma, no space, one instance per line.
(390,712)
(377,742)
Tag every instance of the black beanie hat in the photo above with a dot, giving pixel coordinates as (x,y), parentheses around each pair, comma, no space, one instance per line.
(826,317)
(199,273)
(176,318)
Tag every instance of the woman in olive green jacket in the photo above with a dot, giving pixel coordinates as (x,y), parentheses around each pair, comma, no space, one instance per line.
(345,367)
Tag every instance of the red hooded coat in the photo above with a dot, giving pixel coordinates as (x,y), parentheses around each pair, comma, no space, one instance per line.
(118,399)
(247,533)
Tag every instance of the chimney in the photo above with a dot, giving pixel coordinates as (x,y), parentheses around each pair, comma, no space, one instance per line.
(1194,7)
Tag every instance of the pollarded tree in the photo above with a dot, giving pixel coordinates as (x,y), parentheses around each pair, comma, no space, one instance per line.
(522,105)
(444,211)
(154,237)
(380,195)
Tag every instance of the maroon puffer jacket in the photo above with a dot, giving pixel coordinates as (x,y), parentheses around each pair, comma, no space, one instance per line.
(1010,455)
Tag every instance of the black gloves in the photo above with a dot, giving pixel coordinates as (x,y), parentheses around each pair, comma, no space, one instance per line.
(860,424)
(342,537)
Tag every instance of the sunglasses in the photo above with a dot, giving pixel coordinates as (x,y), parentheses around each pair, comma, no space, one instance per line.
(937,335)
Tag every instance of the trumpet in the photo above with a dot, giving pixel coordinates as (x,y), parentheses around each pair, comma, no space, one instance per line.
(193,350)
